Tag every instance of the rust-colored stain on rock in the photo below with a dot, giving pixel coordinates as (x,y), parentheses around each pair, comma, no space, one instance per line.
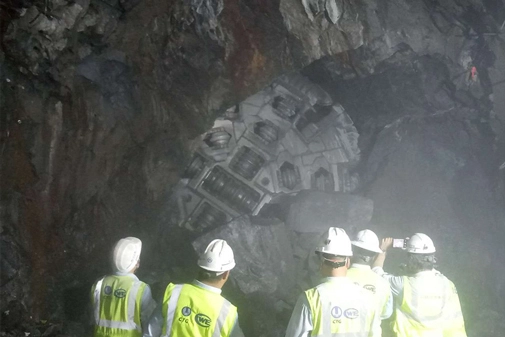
(247,62)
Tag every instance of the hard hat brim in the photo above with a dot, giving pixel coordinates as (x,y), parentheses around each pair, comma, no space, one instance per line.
(343,253)
(422,253)
(232,265)
(365,247)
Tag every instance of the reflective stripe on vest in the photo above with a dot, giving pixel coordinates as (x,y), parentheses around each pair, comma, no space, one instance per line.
(189,309)
(425,306)
(429,308)
(375,285)
(378,290)
(223,313)
(132,324)
(172,305)
(97,292)
(339,310)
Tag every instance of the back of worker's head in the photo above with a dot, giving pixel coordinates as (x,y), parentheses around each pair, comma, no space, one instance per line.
(335,248)
(365,246)
(217,259)
(421,253)
(362,256)
(126,254)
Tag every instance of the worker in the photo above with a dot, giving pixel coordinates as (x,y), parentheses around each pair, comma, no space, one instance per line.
(337,306)
(198,309)
(426,302)
(365,248)
(122,304)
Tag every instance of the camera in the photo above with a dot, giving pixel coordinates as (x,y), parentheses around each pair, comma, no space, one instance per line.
(400,243)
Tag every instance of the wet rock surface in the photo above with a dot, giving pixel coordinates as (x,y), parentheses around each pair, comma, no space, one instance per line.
(100,102)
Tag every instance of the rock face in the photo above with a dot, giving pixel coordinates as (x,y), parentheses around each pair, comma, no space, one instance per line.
(100,101)
(431,178)
(429,161)
(314,212)
(264,274)
(263,255)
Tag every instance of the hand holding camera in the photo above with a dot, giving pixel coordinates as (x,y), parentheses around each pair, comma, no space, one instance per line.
(386,243)
(395,243)
(400,243)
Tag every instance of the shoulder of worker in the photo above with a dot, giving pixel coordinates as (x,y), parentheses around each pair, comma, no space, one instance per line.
(377,274)
(368,275)
(350,286)
(343,286)
(387,276)
(144,285)
(431,273)
(437,273)
(98,279)
(171,286)
(232,306)
(336,282)
(303,299)
(382,281)
(447,280)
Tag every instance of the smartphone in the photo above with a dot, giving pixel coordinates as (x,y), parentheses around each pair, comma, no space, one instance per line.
(400,243)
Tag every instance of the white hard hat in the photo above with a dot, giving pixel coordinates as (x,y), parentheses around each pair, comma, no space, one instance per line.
(218,257)
(367,240)
(336,242)
(420,243)
(126,254)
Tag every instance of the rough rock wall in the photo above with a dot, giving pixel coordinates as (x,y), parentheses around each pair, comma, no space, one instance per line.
(431,164)
(100,98)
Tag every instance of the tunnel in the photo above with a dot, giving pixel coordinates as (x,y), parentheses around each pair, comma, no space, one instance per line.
(259,122)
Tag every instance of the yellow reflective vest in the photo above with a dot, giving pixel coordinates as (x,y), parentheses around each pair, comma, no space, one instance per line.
(340,308)
(116,302)
(191,311)
(429,308)
(378,290)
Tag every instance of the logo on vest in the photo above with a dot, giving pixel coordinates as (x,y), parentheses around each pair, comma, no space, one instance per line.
(120,293)
(186,311)
(370,287)
(351,313)
(203,320)
(336,312)
(107,290)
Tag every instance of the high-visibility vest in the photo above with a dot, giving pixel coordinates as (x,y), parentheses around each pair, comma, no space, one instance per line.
(429,308)
(378,290)
(192,311)
(116,302)
(340,309)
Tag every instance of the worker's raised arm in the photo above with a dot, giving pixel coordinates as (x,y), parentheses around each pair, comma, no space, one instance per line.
(381,257)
